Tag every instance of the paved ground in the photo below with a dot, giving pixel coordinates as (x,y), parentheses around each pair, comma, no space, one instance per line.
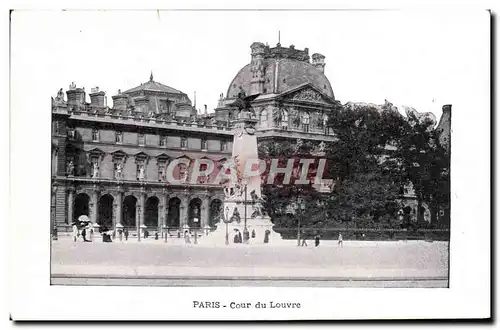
(395,264)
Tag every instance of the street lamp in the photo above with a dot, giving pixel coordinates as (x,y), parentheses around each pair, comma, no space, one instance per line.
(195,220)
(246,235)
(227,220)
(138,223)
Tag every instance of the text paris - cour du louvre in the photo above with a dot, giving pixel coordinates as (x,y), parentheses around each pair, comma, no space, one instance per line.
(280,162)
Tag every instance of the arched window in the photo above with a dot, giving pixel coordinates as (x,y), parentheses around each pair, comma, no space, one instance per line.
(263,118)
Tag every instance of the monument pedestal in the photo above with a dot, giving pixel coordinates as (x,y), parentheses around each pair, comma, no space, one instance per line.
(259,224)
(243,197)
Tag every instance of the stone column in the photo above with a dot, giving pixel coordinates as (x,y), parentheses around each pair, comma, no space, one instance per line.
(183,211)
(205,212)
(142,212)
(70,205)
(163,210)
(143,206)
(119,202)
(93,206)
(53,225)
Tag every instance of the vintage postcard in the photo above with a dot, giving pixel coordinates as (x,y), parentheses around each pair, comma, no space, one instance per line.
(292,153)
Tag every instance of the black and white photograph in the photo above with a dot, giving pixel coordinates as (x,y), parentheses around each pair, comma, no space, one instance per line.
(293,154)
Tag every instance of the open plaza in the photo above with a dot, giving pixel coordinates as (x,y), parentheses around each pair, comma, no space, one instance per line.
(154,262)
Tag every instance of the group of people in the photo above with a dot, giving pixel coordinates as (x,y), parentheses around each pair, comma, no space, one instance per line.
(86,231)
(239,239)
(317,239)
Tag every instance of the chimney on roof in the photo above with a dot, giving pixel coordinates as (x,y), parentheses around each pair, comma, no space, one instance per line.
(120,101)
(76,96)
(257,68)
(206,110)
(318,61)
(97,98)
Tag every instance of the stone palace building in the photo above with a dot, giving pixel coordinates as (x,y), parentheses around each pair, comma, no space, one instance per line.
(109,162)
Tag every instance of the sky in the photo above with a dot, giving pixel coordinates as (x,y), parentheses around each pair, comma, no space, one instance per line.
(413,59)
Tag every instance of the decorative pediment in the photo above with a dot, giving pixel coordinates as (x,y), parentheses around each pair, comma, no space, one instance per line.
(141,157)
(162,158)
(183,156)
(95,153)
(307,93)
(119,155)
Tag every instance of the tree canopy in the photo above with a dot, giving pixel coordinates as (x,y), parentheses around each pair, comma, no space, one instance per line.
(375,153)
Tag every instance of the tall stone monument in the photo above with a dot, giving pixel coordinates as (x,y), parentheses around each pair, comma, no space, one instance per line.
(242,210)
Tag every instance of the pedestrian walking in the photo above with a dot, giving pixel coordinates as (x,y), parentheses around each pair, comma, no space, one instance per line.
(90,231)
(316,240)
(187,237)
(340,240)
(84,235)
(304,238)
(75,232)
(125,232)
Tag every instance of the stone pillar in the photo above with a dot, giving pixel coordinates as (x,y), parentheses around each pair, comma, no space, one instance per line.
(93,206)
(163,211)
(183,211)
(119,202)
(71,193)
(205,212)
(53,225)
(142,212)
(143,206)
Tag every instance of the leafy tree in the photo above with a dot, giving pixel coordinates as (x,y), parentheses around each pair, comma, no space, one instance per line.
(362,159)
(288,203)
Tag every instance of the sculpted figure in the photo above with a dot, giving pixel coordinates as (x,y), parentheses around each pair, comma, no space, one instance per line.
(95,170)
(118,171)
(141,172)
(71,168)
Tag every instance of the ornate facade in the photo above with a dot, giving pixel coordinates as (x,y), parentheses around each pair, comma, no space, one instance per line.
(110,163)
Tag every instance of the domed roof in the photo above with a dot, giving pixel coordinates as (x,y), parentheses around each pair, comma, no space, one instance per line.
(281,74)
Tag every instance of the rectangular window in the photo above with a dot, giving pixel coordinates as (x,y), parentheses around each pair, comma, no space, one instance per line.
(141,139)
(95,135)
(163,141)
(118,137)
(305,127)
(183,142)
(204,144)
(223,145)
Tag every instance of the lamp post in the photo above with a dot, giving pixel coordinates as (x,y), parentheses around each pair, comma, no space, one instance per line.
(298,231)
(138,223)
(227,221)
(246,235)
(195,220)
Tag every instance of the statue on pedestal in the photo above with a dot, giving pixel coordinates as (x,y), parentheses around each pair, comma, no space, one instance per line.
(95,170)
(242,103)
(141,173)
(118,171)
(59,98)
(71,168)
(236,216)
